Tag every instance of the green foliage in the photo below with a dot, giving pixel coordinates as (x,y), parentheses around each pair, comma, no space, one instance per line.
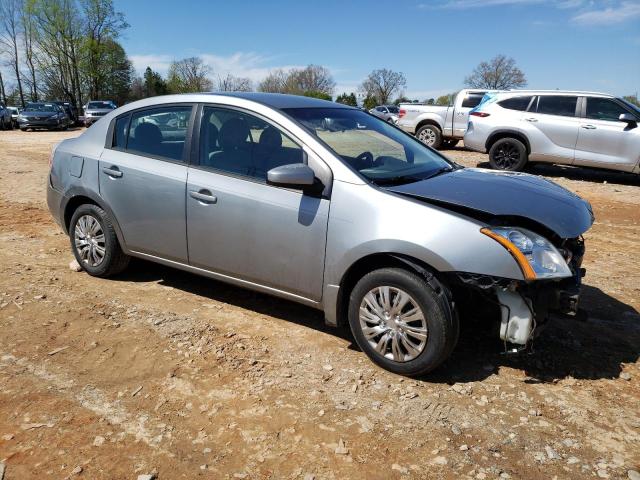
(401,99)
(431,101)
(369,102)
(153,83)
(632,99)
(445,100)
(317,94)
(347,99)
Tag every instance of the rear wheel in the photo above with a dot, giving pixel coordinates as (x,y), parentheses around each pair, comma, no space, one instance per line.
(94,242)
(430,135)
(402,321)
(508,154)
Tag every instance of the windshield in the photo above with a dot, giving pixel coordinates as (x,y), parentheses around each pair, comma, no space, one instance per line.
(42,107)
(100,106)
(635,108)
(381,153)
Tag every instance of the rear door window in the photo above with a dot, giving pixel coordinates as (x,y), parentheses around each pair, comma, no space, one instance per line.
(564,106)
(516,103)
(159,132)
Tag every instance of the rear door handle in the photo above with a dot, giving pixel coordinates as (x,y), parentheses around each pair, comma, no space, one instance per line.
(203,196)
(531,119)
(588,127)
(113,172)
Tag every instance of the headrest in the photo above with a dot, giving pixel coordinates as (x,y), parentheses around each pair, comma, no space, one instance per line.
(147,134)
(271,138)
(233,134)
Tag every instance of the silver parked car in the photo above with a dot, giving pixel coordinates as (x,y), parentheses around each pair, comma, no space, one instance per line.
(388,113)
(325,205)
(570,128)
(95,110)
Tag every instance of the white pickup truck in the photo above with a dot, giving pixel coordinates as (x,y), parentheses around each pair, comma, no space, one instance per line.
(440,126)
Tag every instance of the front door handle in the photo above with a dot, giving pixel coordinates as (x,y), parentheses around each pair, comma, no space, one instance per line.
(531,119)
(588,127)
(203,196)
(113,172)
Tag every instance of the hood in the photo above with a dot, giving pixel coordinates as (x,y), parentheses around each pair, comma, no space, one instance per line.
(35,113)
(99,110)
(507,194)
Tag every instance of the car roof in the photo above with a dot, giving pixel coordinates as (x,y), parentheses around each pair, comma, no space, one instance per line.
(282,100)
(557,92)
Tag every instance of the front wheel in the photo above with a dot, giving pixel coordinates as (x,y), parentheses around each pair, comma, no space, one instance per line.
(508,154)
(430,135)
(94,242)
(402,321)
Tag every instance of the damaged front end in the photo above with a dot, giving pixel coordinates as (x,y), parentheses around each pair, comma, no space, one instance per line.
(526,305)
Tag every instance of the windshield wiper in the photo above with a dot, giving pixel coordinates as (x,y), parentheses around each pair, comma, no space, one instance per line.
(399,180)
(439,171)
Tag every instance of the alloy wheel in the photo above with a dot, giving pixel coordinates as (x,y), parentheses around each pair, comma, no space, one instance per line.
(506,156)
(393,324)
(427,136)
(89,240)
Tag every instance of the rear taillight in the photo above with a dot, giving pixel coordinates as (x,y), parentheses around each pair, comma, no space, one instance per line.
(480,114)
(402,113)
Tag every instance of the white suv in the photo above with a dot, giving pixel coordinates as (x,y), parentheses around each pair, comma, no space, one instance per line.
(570,128)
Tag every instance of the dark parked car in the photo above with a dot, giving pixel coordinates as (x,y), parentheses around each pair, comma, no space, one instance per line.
(5,118)
(47,115)
(70,110)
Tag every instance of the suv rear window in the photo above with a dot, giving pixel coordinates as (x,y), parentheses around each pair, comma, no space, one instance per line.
(472,100)
(557,105)
(516,103)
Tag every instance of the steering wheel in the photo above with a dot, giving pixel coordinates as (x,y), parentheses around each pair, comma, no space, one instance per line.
(365,159)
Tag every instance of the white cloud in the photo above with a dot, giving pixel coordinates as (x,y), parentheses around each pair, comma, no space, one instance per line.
(623,12)
(240,64)
(479,3)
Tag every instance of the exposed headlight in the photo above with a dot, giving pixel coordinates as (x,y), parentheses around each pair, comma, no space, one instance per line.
(536,256)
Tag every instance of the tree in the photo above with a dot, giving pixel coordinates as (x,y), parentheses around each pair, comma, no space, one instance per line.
(317,94)
(632,99)
(500,73)
(401,99)
(347,99)
(189,75)
(313,78)
(115,84)
(102,25)
(382,84)
(3,92)
(231,83)
(445,100)
(274,82)
(153,84)
(10,13)
(431,101)
(59,36)
(29,43)
(369,102)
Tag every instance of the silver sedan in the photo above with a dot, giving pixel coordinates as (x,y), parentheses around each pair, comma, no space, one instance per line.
(325,205)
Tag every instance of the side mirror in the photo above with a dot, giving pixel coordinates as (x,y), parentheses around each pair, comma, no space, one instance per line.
(293,175)
(629,119)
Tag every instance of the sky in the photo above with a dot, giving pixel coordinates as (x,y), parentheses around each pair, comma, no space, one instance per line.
(565,44)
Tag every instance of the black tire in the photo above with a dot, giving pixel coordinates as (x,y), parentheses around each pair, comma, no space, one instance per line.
(449,143)
(2,127)
(430,135)
(432,297)
(508,154)
(10,125)
(114,260)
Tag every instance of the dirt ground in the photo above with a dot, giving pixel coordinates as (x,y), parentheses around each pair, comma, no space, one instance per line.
(158,371)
